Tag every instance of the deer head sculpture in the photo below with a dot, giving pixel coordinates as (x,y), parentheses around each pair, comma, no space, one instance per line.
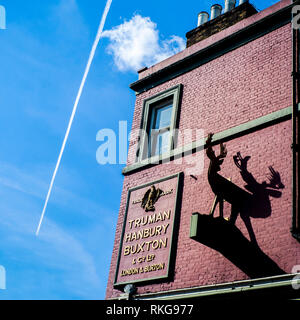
(215,161)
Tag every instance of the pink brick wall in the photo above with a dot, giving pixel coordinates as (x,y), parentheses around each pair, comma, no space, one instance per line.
(242,85)
(197,264)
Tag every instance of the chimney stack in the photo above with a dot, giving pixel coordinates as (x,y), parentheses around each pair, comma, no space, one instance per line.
(215,11)
(229,5)
(202,17)
(232,14)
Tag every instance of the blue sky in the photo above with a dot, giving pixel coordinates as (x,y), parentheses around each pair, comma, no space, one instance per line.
(43,53)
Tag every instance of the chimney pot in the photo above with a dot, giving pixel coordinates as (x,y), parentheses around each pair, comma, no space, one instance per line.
(229,5)
(215,11)
(202,17)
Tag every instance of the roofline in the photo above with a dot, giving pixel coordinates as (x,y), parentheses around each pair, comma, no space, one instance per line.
(231,42)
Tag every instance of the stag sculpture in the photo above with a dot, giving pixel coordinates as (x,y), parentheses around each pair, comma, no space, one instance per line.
(255,204)
(223,188)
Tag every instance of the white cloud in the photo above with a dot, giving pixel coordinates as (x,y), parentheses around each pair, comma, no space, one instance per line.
(135,44)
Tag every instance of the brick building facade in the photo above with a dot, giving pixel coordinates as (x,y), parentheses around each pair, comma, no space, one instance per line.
(235,82)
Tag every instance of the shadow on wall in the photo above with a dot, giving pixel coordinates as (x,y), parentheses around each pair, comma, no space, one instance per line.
(226,238)
(222,235)
(258,204)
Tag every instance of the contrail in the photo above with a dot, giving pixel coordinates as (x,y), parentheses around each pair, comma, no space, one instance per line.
(87,69)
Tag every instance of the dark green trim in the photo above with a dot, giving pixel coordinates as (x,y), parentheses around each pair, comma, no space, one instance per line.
(194,225)
(226,135)
(173,240)
(217,49)
(295,228)
(276,287)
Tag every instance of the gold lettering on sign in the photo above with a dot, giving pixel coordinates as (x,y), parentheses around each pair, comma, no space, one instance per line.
(149,219)
(145,269)
(145,246)
(146,233)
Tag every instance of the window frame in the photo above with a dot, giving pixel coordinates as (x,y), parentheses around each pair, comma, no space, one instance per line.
(151,104)
(154,133)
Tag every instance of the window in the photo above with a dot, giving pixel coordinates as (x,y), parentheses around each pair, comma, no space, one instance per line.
(159,132)
(158,122)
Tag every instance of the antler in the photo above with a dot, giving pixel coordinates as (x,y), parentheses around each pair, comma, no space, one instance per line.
(241,162)
(274,178)
(209,138)
(209,151)
(223,151)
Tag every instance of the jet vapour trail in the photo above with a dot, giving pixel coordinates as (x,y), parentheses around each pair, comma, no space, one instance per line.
(87,69)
